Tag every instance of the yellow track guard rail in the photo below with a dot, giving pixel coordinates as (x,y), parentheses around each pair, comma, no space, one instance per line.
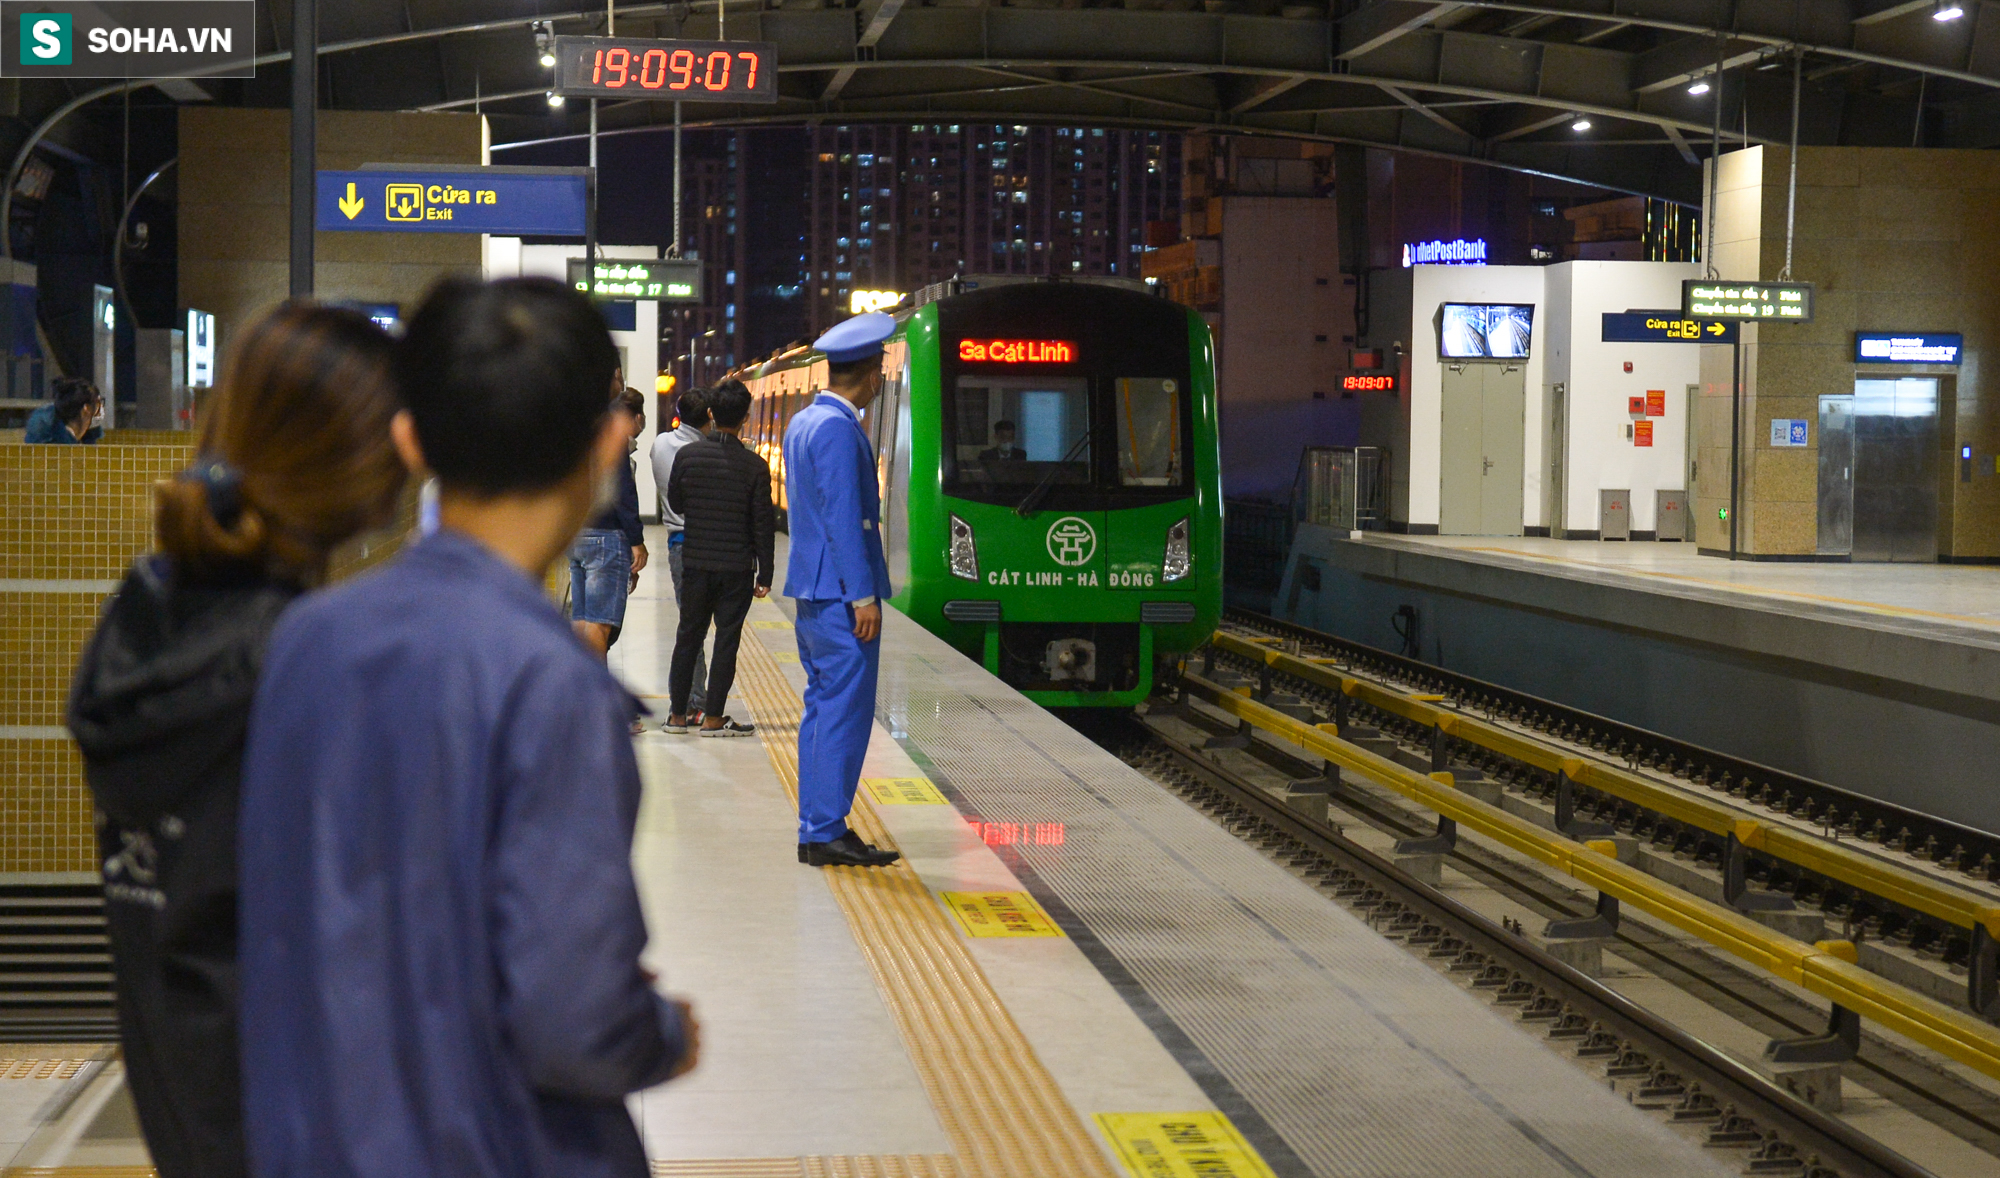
(1908,888)
(1822,971)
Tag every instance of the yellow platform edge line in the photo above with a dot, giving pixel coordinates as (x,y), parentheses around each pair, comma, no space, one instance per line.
(1002,1110)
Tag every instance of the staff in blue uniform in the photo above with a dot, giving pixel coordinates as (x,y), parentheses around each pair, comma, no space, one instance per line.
(839,579)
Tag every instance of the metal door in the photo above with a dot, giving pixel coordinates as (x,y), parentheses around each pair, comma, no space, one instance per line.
(1896,469)
(1504,407)
(1691,456)
(1836,475)
(1462,476)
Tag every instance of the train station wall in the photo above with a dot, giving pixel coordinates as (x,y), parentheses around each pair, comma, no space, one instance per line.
(1567,348)
(1604,451)
(1282,345)
(1894,239)
(235,209)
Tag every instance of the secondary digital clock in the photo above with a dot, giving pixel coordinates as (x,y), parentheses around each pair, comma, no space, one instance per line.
(1368,384)
(684,71)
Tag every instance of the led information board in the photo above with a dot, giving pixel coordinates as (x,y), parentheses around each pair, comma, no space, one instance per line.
(1368,384)
(1018,351)
(685,71)
(1907,347)
(1664,327)
(1783,302)
(517,202)
(671,280)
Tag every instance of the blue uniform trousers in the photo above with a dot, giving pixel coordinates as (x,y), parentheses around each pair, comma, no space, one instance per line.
(839,715)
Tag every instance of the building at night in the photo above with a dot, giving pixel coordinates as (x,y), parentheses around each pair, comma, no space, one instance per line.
(895,208)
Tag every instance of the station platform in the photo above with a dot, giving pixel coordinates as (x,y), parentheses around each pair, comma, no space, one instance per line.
(1072,974)
(1800,666)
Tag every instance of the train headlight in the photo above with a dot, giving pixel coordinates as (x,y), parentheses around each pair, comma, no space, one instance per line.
(1176,563)
(964,553)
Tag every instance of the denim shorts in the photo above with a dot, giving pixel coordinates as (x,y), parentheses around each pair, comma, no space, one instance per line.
(600,575)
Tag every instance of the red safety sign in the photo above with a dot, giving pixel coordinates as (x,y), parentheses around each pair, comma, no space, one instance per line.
(1642,433)
(1656,402)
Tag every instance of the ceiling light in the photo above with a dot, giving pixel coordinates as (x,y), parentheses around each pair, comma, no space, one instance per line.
(548,60)
(555,99)
(1580,125)
(545,44)
(1699,88)
(1948,10)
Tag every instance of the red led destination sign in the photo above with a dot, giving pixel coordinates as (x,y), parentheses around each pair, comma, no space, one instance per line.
(685,71)
(1368,384)
(1017,351)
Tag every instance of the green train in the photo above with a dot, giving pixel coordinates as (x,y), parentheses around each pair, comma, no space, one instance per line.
(1051,482)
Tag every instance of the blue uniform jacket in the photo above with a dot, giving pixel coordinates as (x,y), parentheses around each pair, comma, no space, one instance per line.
(835,506)
(440,929)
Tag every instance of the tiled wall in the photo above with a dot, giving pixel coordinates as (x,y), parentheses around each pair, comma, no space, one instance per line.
(1895,239)
(71,519)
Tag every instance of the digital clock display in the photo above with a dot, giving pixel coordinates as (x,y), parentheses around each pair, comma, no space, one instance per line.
(684,71)
(1368,384)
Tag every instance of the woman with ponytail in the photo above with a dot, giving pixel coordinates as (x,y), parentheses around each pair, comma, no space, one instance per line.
(293,459)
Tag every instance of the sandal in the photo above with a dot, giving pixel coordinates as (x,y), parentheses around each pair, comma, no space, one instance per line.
(730,727)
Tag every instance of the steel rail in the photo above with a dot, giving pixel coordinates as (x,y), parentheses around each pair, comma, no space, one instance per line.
(1838,1144)
(1820,968)
(1897,884)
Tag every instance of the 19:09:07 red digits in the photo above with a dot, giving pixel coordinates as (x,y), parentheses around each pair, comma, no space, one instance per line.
(618,67)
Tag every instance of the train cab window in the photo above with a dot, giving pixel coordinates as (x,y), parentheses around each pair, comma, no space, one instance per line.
(1149,432)
(1019,432)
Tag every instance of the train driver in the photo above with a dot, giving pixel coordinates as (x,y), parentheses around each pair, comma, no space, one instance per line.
(839,578)
(1003,448)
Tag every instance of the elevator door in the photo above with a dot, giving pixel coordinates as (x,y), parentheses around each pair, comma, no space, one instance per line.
(1896,469)
(1482,453)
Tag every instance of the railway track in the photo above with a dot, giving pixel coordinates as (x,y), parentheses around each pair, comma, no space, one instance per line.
(1946,951)
(1659,1066)
(1241,743)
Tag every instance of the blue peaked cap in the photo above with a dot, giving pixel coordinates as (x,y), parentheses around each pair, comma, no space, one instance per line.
(857,338)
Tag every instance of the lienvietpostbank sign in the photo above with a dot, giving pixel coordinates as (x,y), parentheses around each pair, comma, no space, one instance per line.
(526,202)
(128,38)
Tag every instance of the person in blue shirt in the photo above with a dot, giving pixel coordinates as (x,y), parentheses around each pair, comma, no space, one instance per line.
(70,418)
(440,928)
(839,578)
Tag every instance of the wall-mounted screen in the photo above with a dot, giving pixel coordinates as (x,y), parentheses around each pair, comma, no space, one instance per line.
(1485,331)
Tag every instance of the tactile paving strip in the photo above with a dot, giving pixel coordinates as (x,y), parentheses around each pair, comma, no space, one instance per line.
(920,1166)
(998,1104)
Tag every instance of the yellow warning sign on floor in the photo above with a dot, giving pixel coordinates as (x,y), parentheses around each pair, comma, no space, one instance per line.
(1181,1145)
(903,791)
(1001,914)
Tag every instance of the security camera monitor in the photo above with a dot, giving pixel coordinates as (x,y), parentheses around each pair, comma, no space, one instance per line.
(1485,331)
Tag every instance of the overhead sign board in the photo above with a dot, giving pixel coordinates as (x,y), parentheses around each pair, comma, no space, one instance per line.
(1445,253)
(128,39)
(1665,327)
(1781,302)
(684,71)
(517,202)
(1907,347)
(669,280)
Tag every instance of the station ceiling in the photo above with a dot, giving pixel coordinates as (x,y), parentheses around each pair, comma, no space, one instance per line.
(1492,81)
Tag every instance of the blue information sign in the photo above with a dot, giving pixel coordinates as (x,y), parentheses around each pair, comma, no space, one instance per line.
(1665,327)
(1907,347)
(523,202)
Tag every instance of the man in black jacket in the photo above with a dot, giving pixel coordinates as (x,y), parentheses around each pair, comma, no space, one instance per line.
(723,493)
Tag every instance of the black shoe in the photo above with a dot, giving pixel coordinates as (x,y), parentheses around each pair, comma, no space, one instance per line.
(802,852)
(848,851)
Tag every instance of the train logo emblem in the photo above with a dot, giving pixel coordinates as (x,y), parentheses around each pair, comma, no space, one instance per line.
(1072,541)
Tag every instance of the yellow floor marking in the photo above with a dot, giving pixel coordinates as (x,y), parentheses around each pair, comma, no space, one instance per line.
(1000,914)
(998,1105)
(1737,587)
(764,625)
(79,1172)
(785,656)
(912,1166)
(903,791)
(1182,1145)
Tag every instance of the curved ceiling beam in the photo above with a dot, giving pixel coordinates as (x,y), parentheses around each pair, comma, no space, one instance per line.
(1128,123)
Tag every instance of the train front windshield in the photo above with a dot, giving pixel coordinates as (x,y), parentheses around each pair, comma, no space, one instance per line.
(1013,434)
